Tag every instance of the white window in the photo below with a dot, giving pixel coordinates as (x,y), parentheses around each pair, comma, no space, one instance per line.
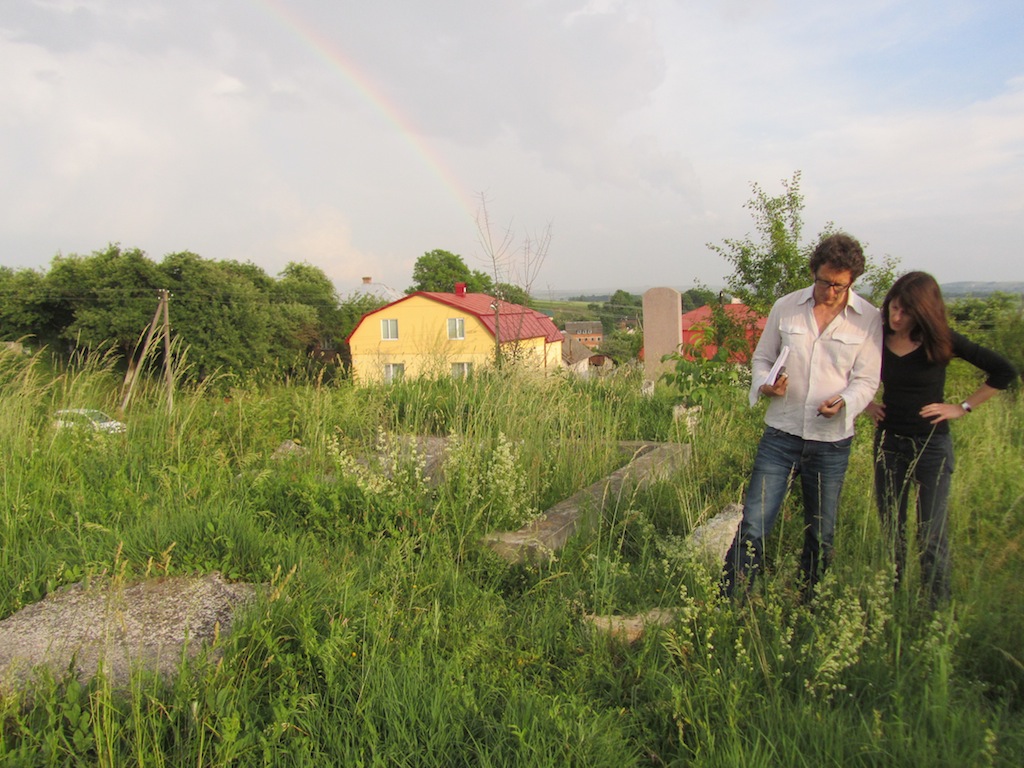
(393,372)
(461,370)
(389,329)
(456,328)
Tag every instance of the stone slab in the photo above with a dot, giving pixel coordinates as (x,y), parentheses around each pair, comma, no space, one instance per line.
(711,540)
(83,628)
(540,539)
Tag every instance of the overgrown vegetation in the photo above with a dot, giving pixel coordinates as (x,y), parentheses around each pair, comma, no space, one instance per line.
(228,318)
(997,321)
(392,637)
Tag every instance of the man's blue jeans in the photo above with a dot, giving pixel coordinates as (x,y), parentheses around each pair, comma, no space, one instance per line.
(781,457)
(926,461)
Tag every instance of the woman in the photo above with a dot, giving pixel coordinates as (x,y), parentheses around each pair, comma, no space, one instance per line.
(912,440)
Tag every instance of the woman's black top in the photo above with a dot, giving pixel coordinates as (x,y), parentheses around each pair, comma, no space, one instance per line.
(912,381)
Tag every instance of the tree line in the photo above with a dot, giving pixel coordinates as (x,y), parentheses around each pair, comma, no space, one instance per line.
(232,317)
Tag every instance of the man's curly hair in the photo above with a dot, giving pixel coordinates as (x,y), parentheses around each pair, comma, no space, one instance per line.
(841,252)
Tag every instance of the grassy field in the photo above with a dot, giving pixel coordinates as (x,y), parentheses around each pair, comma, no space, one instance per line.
(562,311)
(393,638)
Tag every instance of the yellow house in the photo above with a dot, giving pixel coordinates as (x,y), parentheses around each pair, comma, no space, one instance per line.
(449,334)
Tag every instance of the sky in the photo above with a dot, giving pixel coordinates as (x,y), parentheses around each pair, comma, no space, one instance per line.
(355,135)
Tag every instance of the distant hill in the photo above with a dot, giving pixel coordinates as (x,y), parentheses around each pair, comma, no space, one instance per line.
(598,295)
(952,290)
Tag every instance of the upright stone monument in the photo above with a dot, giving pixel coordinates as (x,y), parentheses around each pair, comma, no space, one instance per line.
(663,330)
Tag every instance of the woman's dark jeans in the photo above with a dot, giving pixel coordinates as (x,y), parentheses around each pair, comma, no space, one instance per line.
(924,461)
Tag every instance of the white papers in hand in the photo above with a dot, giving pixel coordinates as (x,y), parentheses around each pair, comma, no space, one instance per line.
(780,362)
(773,374)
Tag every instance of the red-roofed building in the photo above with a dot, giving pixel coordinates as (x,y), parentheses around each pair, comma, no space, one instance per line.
(696,325)
(433,334)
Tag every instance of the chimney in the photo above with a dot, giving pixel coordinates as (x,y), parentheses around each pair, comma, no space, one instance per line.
(367,280)
(460,289)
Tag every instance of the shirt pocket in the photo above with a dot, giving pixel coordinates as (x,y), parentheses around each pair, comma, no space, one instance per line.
(844,344)
(793,333)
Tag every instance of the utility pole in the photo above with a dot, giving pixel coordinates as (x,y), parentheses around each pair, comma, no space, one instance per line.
(161,318)
(168,376)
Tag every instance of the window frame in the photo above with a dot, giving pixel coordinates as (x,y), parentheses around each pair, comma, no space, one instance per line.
(459,326)
(386,326)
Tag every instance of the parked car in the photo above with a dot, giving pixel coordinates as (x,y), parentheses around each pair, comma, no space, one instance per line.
(87,418)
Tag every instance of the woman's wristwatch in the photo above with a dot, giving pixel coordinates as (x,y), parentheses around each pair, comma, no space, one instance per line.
(966,406)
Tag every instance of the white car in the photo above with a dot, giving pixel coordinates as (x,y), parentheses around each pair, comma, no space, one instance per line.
(87,418)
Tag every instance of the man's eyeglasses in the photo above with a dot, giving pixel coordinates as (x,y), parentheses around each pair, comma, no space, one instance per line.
(837,287)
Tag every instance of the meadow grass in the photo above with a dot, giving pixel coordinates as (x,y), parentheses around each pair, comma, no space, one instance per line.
(388,635)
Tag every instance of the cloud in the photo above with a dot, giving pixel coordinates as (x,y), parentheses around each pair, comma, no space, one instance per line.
(360,136)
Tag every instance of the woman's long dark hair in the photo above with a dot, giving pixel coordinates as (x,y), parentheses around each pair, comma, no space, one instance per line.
(921,298)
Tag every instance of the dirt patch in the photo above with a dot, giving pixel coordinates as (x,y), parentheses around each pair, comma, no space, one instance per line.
(150,624)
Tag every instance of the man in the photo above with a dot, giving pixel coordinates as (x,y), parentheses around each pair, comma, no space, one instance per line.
(831,373)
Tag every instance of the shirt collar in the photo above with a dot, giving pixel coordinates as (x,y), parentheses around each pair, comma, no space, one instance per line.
(858,304)
(853,301)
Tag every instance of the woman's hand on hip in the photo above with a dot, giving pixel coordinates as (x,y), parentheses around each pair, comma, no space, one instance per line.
(939,412)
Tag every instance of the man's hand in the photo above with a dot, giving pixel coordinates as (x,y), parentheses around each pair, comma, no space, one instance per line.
(831,407)
(778,389)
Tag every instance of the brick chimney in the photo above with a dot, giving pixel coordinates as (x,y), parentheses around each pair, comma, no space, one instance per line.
(460,289)
(367,280)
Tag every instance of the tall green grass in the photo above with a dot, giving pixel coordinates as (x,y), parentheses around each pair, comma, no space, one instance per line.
(388,635)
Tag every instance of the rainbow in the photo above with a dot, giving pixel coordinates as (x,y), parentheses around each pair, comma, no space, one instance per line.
(327,50)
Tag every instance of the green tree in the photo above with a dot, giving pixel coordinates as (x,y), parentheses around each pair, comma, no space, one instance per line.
(621,308)
(352,309)
(313,302)
(697,297)
(512,294)
(777,264)
(439,271)
(974,315)
(622,346)
(1008,334)
(221,314)
(878,279)
(21,299)
(231,316)
(996,321)
(106,299)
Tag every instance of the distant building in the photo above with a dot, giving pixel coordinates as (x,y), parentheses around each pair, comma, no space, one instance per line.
(381,291)
(590,333)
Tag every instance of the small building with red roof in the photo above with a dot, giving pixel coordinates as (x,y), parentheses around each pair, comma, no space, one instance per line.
(698,333)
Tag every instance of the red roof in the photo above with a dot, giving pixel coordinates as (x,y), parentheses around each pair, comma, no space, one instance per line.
(514,322)
(702,315)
